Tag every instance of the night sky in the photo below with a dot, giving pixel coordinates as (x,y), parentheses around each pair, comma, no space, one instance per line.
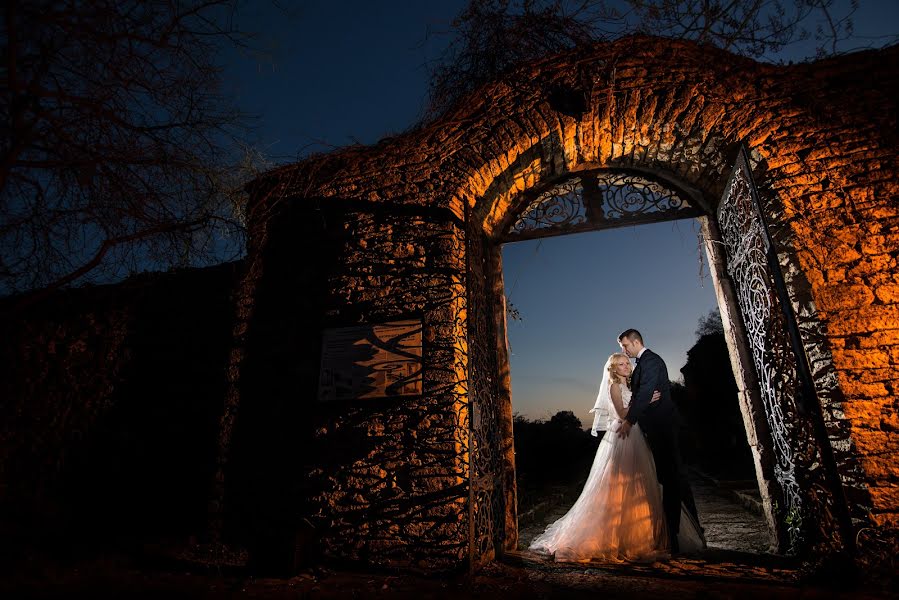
(337,73)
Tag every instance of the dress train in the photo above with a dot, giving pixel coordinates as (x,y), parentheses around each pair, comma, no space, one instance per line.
(618,514)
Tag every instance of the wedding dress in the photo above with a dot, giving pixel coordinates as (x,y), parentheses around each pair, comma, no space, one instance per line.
(619,513)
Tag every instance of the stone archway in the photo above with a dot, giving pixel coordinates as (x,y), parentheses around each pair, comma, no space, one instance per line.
(591,200)
(407,230)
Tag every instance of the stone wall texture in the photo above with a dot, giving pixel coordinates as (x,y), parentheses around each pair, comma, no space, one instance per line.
(378,481)
(823,141)
(394,489)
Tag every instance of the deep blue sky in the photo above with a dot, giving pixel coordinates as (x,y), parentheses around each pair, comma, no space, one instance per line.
(337,72)
(576,293)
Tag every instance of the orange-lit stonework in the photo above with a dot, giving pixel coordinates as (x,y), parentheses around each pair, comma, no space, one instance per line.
(821,137)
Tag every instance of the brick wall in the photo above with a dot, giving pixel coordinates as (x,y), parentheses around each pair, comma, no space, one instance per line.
(823,140)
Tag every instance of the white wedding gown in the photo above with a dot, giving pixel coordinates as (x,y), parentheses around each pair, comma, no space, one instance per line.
(619,513)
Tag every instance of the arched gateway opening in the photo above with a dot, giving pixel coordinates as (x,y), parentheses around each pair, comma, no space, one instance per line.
(372,304)
(757,320)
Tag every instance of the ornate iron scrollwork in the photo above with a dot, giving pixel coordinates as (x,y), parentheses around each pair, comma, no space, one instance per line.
(487,497)
(795,451)
(747,248)
(598,200)
(626,196)
(562,206)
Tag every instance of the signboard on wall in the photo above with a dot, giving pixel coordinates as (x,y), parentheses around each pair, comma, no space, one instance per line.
(371,361)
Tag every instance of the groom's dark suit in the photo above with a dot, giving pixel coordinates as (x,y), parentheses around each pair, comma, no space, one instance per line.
(660,423)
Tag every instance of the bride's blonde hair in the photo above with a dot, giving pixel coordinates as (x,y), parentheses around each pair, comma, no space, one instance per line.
(614,377)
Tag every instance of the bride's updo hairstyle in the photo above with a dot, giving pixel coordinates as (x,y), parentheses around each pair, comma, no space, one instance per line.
(614,377)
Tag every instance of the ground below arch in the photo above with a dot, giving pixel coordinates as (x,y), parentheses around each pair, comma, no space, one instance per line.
(728,510)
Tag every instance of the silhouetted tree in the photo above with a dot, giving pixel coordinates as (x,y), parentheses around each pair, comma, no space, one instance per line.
(116,145)
(490,37)
(716,437)
(551,451)
(710,324)
(566,421)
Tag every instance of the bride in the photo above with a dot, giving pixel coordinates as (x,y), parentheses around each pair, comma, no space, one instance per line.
(619,513)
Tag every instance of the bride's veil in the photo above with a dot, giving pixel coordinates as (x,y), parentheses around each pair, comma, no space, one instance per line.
(603,411)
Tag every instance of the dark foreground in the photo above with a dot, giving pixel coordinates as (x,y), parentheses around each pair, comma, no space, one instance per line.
(736,565)
(520,576)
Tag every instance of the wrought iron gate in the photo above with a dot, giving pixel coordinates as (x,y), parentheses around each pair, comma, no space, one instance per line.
(487,496)
(806,512)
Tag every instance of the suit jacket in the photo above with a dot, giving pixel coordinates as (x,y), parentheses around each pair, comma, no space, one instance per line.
(649,375)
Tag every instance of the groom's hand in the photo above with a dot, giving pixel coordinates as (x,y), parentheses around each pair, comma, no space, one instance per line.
(625,429)
(656,395)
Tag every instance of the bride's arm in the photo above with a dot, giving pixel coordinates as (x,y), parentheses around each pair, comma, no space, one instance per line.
(617,401)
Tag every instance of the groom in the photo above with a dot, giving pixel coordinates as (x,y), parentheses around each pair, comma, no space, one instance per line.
(659,422)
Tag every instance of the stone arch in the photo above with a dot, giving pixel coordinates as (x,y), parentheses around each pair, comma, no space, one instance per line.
(407,227)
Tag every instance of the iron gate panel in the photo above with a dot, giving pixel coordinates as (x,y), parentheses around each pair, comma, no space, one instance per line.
(487,496)
(806,515)
(593,200)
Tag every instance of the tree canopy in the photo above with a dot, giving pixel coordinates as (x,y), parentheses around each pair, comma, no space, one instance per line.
(118,145)
(710,324)
(489,37)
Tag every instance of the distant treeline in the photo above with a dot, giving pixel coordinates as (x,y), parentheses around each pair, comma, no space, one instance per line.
(552,451)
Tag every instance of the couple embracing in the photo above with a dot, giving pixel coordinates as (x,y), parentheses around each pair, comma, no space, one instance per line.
(636,503)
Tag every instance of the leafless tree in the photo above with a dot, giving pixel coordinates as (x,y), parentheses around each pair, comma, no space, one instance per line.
(117,144)
(489,37)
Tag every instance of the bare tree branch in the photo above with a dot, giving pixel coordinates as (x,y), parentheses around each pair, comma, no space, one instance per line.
(115,138)
(493,36)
